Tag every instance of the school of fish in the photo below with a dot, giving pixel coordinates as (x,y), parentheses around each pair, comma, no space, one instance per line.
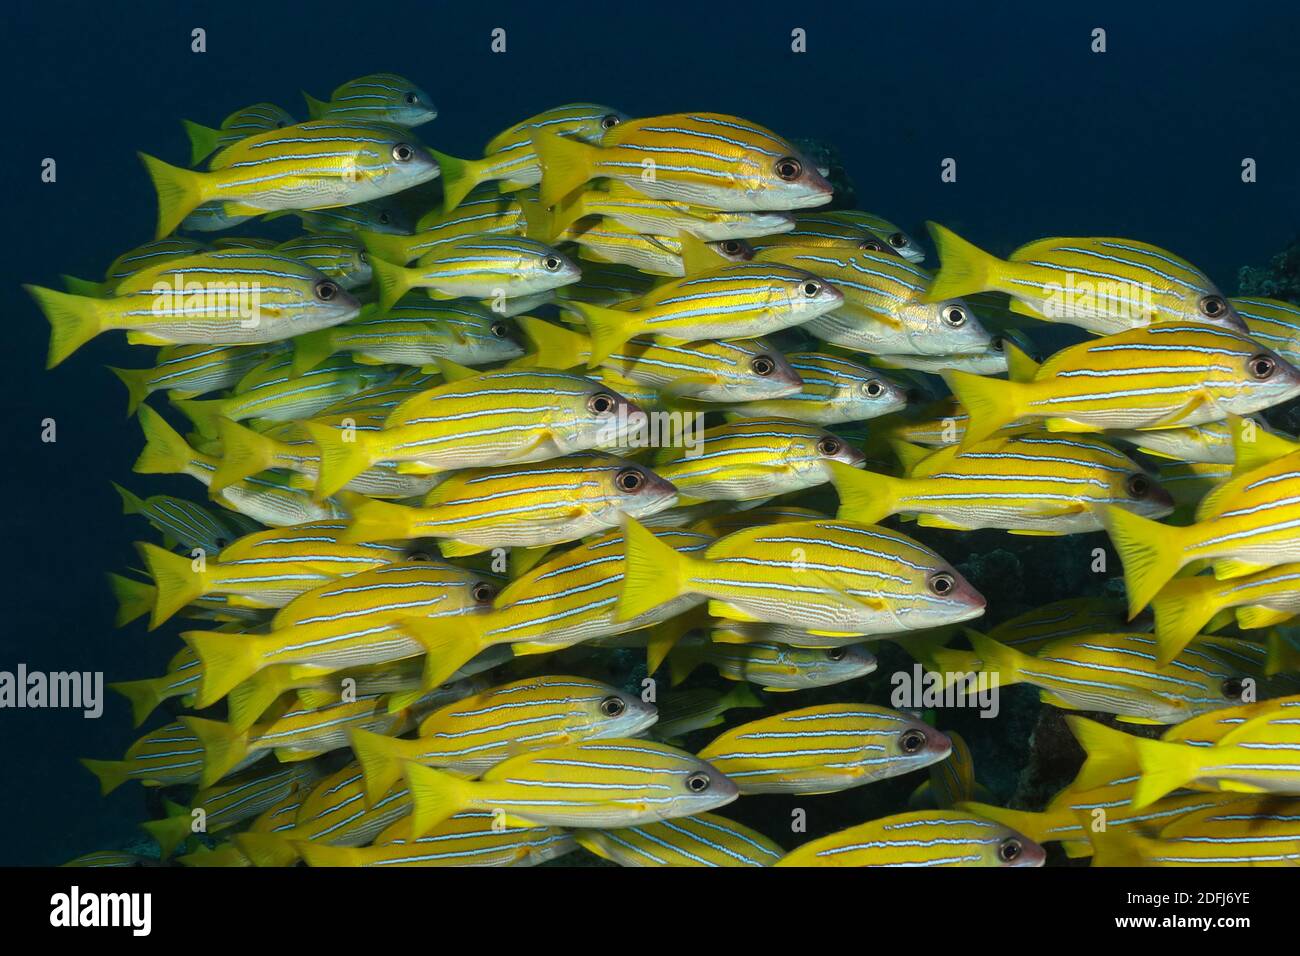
(486,425)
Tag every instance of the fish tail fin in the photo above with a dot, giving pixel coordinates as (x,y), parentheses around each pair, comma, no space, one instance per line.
(1166,766)
(165,451)
(223,746)
(435,796)
(74,320)
(653,572)
(997,658)
(180,192)
(111,773)
(381,760)
(136,381)
(379,521)
(566,164)
(266,849)
(1122,848)
(175,581)
(458,176)
(1152,553)
(322,854)
(1035,825)
(568,212)
(343,456)
(250,699)
(244,452)
(203,140)
(608,329)
(1182,608)
(964,268)
(990,403)
(390,248)
(741,696)
(555,347)
(315,108)
(1111,753)
(144,696)
(394,281)
(202,413)
(310,349)
(134,598)
(170,832)
(864,495)
(228,660)
(449,644)
(663,637)
(87,287)
(132,504)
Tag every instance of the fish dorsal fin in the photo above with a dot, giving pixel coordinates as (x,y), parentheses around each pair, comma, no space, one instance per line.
(451,372)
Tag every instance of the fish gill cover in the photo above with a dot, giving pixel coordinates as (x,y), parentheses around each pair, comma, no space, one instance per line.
(633,488)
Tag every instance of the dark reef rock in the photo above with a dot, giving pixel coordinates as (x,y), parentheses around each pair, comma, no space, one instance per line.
(1280,279)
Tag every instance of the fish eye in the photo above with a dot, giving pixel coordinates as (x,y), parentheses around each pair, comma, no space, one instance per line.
(326,290)
(762,365)
(997,344)
(419,556)
(811,289)
(361,256)
(836,654)
(731,247)
(874,388)
(1010,849)
(789,168)
(609,121)
(602,403)
(697,782)
(830,445)
(499,329)
(629,479)
(955,316)
(1232,688)
(411,99)
(551,263)
(870,245)
(898,240)
(1262,367)
(221,542)
(912,741)
(1212,306)
(483,592)
(1138,486)
(612,706)
(942,583)
(403,153)
(383,218)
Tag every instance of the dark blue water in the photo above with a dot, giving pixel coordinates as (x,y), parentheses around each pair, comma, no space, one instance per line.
(1144,141)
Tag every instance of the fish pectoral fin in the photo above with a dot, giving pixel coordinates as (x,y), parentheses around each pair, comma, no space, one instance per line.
(1192,405)
(1141,721)
(1235,786)
(415,468)
(934,521)
(1068,425)
(731,612)
(1020,307)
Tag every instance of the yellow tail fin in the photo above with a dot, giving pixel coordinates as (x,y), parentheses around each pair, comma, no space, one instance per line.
(379,521)
(203,140)
(435,796)
(554,347)
(266,849)
(1037,826)
(991,403)
(223,747)
(165,451)
(996,658)
(864,495)
(85,286)
(180,192)
(175,579)
(394,281)
(204,414)
(1166,766)
(343,456)
(315,108)
(566,165)
(382,245)
(227,659)
(310,349)
(1182,608)
(449,644)
(249,700)
(243,453)
(608,329)
(136,381)
(1152,553)
(458,176)
(74,320)
(134,598)
(964,268)
(653,572)
(111,773)
(144,696)
(1111,754)
(322,854)
(170,833)
(381,761)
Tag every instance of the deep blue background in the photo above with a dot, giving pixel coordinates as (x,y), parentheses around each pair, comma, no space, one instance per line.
(1144,141)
